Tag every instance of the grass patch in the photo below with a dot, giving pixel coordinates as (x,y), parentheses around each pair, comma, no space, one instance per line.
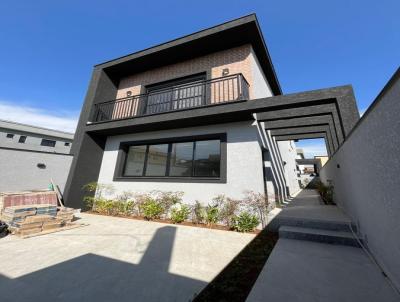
(235,282)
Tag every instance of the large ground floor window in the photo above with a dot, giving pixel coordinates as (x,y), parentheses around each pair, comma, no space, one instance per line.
(188,158)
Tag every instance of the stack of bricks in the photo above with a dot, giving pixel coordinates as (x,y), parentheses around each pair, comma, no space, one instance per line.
(66,215)
(33,219)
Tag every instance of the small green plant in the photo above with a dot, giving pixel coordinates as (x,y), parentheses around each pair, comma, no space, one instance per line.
(168,199)
(151,209)
(96,192)
(257,203)
(245,222)
(198,213)
(180,213)
(100,205)
(211,214)
(228,210)
(326,192)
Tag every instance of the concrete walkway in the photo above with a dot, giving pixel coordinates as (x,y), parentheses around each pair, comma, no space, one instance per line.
(305,268)
(115,259)
(307,206)
(304,271)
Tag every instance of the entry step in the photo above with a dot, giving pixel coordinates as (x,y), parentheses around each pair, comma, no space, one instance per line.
(279,222)
(318,235)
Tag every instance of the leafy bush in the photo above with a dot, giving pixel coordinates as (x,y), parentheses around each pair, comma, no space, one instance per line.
(257,203)
(211,214)
(245,222)
(326,192)
(168,199)
(198,213)
(151,209)
(180,213)
(228,210)
(100,205)
(89,202)
(96,192)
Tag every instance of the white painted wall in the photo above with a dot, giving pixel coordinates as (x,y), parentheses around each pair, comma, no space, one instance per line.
(261,88)
(244,163)
(289,154)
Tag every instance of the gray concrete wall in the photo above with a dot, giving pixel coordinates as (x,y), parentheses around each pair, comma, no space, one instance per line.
(19,171)
(366,179)
(34,136)
(33,142)
(288,153)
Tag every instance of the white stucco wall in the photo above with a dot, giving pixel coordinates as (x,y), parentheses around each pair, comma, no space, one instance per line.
(288,153)
(261,87)
(244,163)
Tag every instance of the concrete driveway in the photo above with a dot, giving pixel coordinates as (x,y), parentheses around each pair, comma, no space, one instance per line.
(115,259)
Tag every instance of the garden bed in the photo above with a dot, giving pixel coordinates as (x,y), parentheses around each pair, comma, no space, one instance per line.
(169,221)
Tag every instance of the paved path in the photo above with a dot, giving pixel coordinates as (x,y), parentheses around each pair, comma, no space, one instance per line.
(305,271)
(115,259)
(307,205)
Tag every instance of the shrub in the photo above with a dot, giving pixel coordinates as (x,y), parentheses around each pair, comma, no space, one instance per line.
(97,191)
(130,207)
(151,209)
(89,202)
(167,199)
(211,214)
(180,213)
(100,205)
(245,222)
(117,207)
(228,210)
(326,192)
(257,203)
(198,213)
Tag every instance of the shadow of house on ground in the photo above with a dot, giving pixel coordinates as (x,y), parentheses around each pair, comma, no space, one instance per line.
(96,278)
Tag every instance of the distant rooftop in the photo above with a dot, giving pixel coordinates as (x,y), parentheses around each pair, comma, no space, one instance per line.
(35,129)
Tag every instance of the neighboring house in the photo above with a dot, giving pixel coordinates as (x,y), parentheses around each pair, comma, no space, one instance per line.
(199,114)
(30,156)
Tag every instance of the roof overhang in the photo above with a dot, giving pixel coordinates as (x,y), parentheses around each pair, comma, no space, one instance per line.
(245,30)
(328,113)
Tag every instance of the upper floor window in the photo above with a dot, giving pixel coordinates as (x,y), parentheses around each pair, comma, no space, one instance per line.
(191,158)
(9,135)
(48,143)
(22,139)
(66,144)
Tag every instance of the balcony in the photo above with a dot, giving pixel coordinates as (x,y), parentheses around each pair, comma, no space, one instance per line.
(179,97)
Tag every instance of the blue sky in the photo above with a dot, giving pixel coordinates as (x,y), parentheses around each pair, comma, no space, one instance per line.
(48,48)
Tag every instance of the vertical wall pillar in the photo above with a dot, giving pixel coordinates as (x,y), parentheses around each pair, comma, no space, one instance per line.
(88,148)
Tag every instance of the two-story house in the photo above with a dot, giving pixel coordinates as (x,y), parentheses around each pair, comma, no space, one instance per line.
(182,116)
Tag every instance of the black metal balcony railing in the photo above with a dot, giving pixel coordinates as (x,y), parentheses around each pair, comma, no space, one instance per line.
(179,97)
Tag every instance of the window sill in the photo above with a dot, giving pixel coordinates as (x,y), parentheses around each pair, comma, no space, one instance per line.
(171,179)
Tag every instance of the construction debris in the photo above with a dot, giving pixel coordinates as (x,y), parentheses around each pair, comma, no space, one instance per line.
(26,220)
(8,199)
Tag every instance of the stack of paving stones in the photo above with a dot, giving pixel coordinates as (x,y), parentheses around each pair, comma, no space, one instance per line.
(32,219)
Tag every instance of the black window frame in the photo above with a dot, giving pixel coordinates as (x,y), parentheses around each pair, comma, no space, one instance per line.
(124,147)
(10,135)
(22,139)
(48,140)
